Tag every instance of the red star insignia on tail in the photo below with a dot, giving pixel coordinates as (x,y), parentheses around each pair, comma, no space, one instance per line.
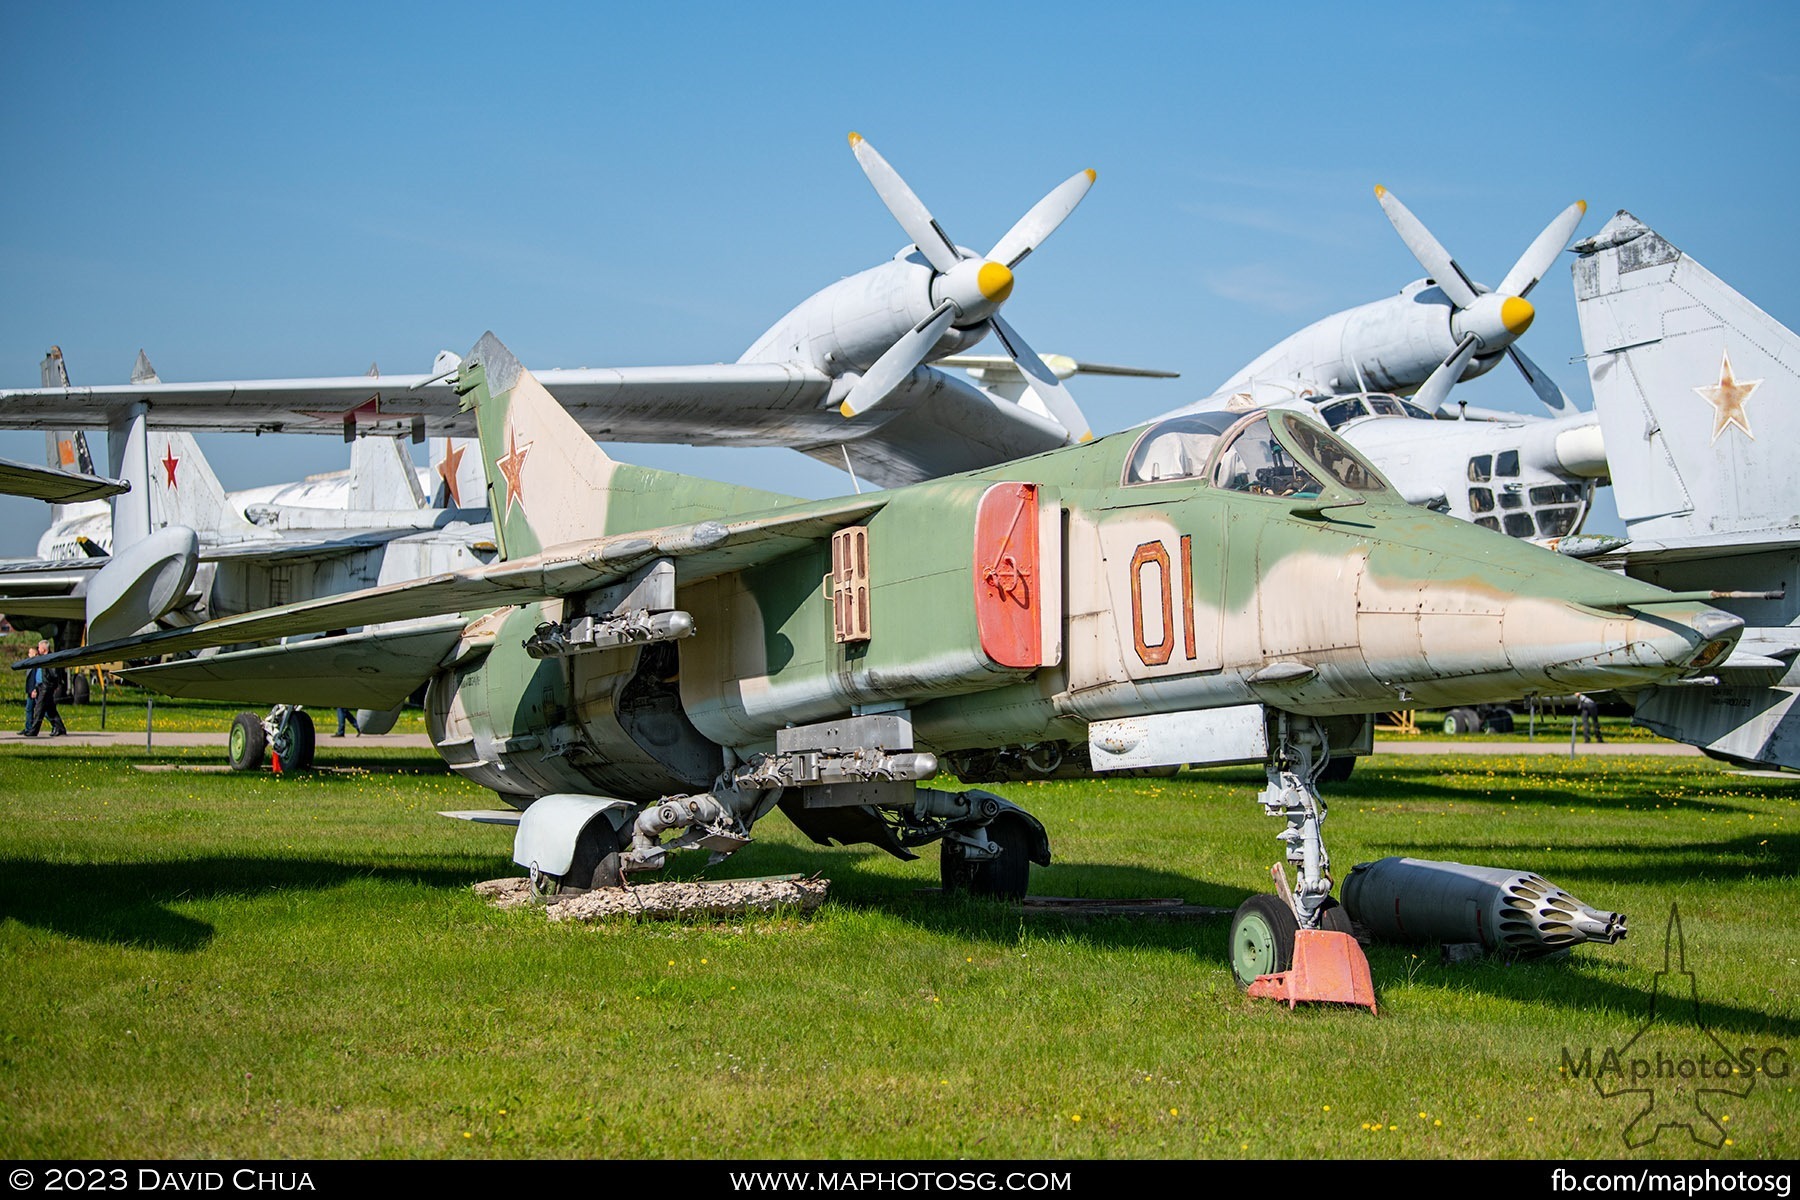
(447,472)
(511,465)
(169,461)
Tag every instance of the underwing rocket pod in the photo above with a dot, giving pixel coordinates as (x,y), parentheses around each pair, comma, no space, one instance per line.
(1516,912)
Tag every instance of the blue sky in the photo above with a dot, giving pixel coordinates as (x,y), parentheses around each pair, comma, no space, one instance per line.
(276,190)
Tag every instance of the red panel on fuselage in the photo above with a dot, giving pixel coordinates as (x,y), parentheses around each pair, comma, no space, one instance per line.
(1007,577)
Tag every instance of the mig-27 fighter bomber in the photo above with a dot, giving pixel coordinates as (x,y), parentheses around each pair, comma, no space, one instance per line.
(659,655)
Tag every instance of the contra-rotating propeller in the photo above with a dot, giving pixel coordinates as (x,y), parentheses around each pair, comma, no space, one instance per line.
(968,289)
(1485,319)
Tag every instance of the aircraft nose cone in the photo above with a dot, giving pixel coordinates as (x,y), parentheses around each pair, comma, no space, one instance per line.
(1634,647)
(1712,623)
(1516,313)
(995,281)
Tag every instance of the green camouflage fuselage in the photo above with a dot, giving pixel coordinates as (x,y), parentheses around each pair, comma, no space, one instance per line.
(1136,598)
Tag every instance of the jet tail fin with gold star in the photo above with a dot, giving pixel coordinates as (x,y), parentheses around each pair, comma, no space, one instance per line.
(1698,393)
(549,483)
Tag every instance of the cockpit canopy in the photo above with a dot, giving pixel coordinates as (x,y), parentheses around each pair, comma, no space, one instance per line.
(1337,413)
(1265,453)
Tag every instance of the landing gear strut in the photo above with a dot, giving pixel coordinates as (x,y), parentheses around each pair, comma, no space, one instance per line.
(1296,944)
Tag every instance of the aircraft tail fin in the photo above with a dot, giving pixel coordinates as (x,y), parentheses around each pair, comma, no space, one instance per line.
(456,469)
(64,449)
(182,488)
(382,478)
(172,484)
(548,482)
(1697,388)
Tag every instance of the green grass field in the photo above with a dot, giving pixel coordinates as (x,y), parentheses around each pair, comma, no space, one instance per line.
(208,965)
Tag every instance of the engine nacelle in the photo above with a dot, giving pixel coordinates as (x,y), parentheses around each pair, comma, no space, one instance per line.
(850,324)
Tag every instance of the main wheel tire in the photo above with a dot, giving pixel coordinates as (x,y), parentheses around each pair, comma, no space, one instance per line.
(81,690)
(302,742)
(1262,938)
(1333,919)
(1498,722)
(1007,877)
(1461,720)
(1338,768)
(596,863)
(248,742)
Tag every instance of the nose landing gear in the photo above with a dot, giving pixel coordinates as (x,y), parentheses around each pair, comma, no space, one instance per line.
(1296,944)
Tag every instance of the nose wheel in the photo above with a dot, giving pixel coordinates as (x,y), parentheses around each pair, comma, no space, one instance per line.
(1262,938)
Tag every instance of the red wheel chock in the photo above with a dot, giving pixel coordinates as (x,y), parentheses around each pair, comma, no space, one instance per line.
(1329,968)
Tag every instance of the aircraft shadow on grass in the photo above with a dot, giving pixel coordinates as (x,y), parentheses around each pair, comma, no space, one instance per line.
(1761,855)
(1205,941)
(128,904)
(1416,785)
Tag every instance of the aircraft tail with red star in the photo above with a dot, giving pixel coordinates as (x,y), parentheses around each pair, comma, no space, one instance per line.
(549,483)
(1698,393)
(457,478)
(168,472)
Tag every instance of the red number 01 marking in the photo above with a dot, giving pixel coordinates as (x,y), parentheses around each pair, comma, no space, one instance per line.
(1158,554)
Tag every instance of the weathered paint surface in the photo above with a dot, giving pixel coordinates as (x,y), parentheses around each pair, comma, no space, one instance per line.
(1176,594)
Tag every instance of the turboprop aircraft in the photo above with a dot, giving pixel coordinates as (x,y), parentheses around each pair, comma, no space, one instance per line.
(844,377)
(1379,374)
(661,654)
(1698,392)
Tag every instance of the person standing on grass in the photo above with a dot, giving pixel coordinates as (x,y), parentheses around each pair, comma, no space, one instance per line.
(42,686)
(1587,717)
(30,701)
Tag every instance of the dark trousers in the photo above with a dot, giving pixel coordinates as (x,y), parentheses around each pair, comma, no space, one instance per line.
(45,707)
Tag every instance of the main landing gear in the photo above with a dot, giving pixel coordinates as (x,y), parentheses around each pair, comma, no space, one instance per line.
(287,731)
(1296,944)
